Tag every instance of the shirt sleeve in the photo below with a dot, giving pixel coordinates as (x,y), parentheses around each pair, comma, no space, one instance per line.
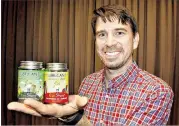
(155,110)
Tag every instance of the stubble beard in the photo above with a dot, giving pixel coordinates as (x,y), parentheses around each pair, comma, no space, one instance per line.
(117,65)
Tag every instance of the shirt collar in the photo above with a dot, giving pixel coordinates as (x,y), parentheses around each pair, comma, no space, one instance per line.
(124,78)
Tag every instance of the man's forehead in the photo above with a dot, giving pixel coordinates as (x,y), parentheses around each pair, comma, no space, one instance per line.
(100,24)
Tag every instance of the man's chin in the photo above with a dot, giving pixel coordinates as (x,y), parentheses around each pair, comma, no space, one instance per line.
(114,67)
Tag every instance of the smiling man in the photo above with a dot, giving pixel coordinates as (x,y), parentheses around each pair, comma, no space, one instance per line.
(119,94)
(122,93)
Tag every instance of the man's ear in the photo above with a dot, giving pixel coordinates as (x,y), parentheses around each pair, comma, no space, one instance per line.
(136,41)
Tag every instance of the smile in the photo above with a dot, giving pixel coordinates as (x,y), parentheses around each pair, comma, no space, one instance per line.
(112,53)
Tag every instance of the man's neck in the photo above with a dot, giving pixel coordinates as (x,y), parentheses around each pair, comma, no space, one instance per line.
(112,73)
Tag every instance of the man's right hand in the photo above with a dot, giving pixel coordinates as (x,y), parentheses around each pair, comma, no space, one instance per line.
(36,108)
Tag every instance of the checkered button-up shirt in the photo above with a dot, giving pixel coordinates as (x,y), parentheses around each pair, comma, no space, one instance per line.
(133,98)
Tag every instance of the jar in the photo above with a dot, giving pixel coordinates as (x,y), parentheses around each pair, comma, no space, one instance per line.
(56,83)
(30,80)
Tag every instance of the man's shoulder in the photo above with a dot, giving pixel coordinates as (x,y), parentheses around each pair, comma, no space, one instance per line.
(150,86)
(90,82)
(92,79)
(153,81)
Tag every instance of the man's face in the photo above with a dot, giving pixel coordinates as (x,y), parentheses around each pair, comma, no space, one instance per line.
(115,43)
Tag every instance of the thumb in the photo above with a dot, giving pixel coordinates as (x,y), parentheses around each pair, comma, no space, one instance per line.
(80,101)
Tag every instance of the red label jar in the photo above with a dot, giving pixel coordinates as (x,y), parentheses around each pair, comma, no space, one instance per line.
(56,83)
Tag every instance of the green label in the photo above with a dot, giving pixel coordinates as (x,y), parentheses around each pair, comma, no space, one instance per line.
(31,84)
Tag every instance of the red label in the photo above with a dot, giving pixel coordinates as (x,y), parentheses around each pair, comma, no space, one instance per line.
(56,97)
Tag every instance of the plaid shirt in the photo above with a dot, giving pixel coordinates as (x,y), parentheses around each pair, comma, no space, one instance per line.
(133,98)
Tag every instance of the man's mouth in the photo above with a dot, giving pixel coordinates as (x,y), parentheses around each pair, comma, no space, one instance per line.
(112,53)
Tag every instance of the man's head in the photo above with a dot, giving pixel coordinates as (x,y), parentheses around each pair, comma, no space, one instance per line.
(111,12)
(116,35)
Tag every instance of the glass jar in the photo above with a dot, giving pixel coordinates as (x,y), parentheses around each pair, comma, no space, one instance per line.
(30,80)
(56,83)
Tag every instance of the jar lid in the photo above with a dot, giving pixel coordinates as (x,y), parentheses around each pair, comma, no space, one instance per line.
(31,65)
(56,66)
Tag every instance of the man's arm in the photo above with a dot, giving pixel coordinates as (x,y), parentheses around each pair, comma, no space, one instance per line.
(36,108)
(155,110)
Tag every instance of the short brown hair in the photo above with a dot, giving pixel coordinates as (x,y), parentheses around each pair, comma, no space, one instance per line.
(111,12)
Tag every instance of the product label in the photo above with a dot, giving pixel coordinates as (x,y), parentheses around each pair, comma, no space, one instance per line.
(56,87)
(31,84)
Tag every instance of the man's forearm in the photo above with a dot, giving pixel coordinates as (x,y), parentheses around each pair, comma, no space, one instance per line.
(84,121)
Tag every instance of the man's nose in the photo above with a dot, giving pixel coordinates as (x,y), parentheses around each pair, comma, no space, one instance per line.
(110,41)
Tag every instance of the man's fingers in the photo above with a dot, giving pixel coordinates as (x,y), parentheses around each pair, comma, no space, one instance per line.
(56,110)
(44,109)
(16,106)
(34,103)
(37,108)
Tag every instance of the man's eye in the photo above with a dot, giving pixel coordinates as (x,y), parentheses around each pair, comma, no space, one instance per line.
(119,33)
(101,35)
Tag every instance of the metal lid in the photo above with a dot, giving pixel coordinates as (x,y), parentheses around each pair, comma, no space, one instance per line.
(56,66)
(31,65)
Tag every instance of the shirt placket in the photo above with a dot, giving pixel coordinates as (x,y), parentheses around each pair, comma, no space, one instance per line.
(103,107)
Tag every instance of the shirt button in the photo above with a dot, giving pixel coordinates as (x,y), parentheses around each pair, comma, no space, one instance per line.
(101,121)
(107,96)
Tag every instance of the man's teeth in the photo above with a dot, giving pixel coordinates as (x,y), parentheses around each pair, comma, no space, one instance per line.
(111,53)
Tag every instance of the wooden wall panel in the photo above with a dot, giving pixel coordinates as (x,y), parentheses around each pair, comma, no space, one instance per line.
(141,27)
(151,36)
(175,108)
(19,51)
(29,30)
(3,62)
(71,45)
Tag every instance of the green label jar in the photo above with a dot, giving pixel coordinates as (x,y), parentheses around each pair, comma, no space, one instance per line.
(30,80)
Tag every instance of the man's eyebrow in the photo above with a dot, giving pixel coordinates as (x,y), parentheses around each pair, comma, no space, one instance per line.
(116,29)
(123,29)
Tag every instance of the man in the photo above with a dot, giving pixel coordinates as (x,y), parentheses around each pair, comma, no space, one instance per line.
(119,94)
